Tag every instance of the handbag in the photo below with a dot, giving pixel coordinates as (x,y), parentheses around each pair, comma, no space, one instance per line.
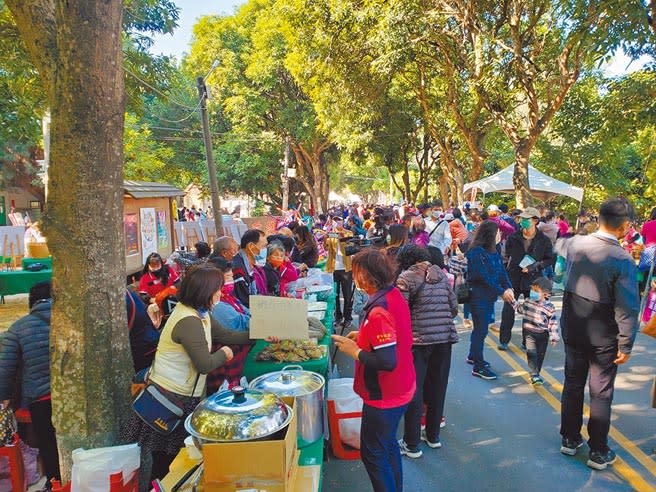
(463,293)
(157,410)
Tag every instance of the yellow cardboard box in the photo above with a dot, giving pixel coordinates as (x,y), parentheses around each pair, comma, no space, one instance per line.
(253,465)
(307,478)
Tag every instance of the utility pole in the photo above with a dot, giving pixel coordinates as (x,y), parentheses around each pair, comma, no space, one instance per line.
(285,177)
(214,188)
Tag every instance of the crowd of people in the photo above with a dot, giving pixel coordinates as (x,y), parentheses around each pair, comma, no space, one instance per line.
(188,318)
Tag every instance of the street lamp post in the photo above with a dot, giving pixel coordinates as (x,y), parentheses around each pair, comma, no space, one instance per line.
(207,138)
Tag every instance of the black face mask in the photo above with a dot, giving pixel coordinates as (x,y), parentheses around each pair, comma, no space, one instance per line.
(157,272)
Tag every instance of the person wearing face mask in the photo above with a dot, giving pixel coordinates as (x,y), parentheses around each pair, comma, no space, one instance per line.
(488,280)
(539,326)
(182,360)
(236,317)
(439,233)
(155,277)
(252,252)
(384,368)
(529,252)
(599,322)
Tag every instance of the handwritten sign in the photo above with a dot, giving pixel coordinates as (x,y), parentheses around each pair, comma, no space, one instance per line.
(280,317)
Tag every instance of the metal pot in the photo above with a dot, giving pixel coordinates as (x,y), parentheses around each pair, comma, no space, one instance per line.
(307,387)
(237,415)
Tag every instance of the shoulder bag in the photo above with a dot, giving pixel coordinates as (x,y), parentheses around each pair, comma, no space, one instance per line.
(159,411)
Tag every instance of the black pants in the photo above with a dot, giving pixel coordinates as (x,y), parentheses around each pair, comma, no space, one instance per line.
(508,317)
(344,281)
(41,412)
(536,349)
(598,362)
(379,448)
(432,366)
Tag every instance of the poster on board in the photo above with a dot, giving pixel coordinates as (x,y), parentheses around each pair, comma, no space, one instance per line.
(148,232)
(131,235)
(162,235)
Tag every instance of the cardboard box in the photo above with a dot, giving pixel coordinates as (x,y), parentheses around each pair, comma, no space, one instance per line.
(249,484)
(308,478)
(266,465)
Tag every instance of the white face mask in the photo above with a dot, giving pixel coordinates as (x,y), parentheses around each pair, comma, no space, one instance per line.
(260,259)
(534,295)
(388,239)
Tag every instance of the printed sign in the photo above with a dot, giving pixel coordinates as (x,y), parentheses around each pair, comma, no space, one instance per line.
(281,317)
(148,232)
(131,235)
(162,235)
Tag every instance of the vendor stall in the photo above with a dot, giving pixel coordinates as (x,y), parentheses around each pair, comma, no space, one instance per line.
(305,475)
(21,281)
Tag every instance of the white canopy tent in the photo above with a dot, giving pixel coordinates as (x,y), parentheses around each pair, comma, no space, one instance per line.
(542,186)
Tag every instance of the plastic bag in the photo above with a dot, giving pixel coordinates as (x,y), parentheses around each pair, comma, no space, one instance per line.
(92,467)
(346,401)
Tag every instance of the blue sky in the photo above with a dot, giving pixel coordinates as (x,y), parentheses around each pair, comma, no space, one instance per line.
(191,10)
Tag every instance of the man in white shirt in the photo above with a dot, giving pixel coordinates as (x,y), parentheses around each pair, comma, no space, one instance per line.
(438,229)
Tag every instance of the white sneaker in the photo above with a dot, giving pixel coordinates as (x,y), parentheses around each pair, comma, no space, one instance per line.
(406,451)
(434,445)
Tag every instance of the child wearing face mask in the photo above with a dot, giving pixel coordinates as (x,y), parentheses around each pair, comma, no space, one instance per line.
(155,277)
(539,326)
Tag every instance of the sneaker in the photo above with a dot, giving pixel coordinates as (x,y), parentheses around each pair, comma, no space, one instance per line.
(435,445)
(494,327)
(570,446)
(599,460)
(537,381)
(338,322)
(347,325)
(407,451)
(443,422)
(467,324)
(503,346)
(484,373)
(470,361)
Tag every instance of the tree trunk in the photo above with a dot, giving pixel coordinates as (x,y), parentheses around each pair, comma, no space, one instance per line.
(90,353)
(523,196)
(444,189)
(312,172)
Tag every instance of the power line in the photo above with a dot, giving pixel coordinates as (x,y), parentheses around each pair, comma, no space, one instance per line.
(158,91)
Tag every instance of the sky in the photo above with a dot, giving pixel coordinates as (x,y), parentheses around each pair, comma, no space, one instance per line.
(190,10)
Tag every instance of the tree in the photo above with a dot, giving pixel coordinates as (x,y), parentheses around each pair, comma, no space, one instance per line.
(258,95)
(524,57)
(76,48)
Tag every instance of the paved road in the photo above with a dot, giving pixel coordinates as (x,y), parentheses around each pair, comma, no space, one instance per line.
(503,435)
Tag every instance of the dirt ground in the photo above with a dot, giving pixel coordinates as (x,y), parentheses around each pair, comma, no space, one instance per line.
(13,308)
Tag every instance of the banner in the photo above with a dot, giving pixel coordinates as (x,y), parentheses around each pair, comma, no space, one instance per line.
(162,235)
(148,232)
(131,235)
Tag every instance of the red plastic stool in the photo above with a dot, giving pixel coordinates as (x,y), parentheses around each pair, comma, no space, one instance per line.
(16,465)
(339,449)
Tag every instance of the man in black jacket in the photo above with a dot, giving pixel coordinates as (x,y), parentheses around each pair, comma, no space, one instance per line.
(252,250)
(528,252)
(599,325)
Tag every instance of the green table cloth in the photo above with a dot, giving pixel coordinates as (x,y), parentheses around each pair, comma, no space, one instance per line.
(253,368)
(20,281)
(31,261)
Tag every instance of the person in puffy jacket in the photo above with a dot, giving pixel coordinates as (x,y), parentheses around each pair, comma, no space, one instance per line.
(27,343)
(433,305)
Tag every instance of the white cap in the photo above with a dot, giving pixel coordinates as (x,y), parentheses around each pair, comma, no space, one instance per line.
(449,217)
(492,208)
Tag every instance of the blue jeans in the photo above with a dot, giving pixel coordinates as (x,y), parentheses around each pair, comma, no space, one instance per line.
(466,312)
(481,311)
(380,449)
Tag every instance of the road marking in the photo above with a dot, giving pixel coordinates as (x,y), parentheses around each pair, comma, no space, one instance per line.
(637,453)
(634,478)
